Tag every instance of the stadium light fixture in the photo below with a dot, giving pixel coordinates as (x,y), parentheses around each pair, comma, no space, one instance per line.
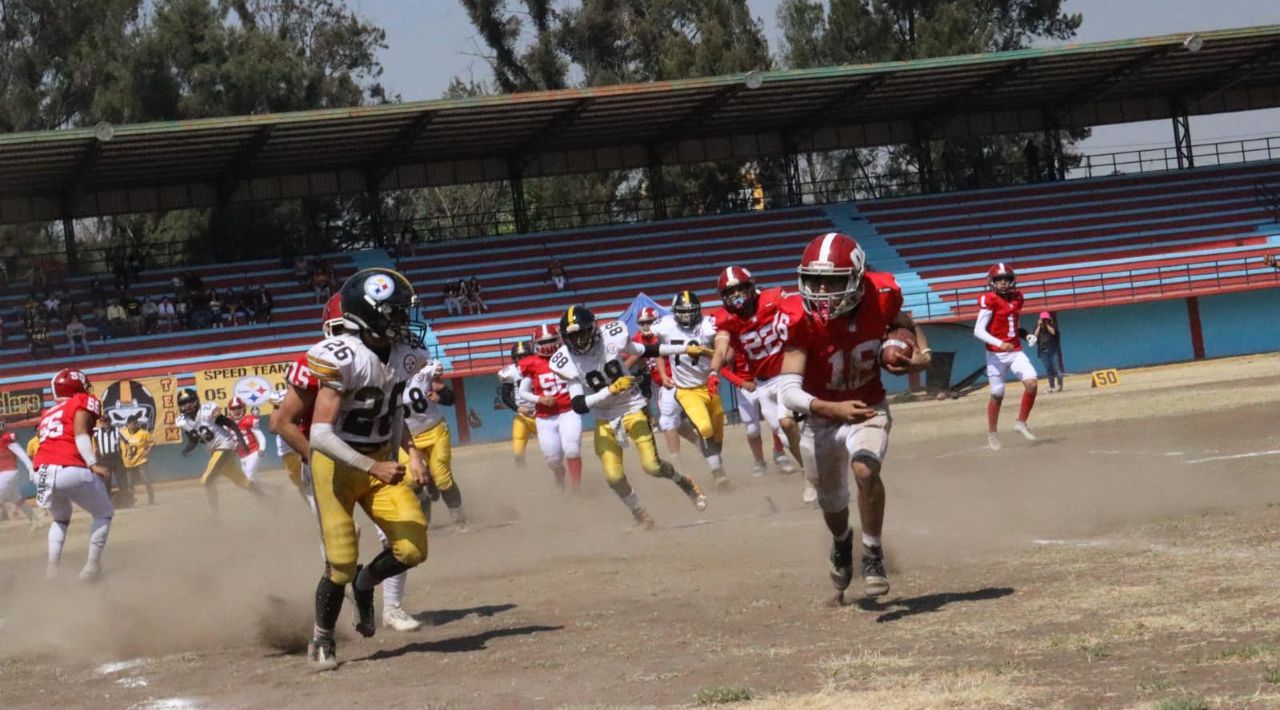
(104,131)
(1193,43)
(754,79)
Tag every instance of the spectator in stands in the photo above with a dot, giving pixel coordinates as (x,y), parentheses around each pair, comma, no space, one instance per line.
(150,315)
(321,280)
(117,319)
(97,292)
(452,301)
(52,306)
(556,275)
(301,271)
(475,302)
(38,337)
(198,310)
(76,332)
(133,311)
(166,315)
(179,285)
(233,310)
(407,242)
(263,303)
(182,313)
(215,308)
(1049,348)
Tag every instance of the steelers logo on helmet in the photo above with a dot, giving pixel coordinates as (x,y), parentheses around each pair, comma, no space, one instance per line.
(379,287)
(129,398)
(381,305)
(253,390)
(578,329)
(411,363)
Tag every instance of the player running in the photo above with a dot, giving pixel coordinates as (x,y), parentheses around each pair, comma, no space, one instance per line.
(523,425)
(424,418)
(696,384)
(831,371)
(655,378)
(208,425)
(291,422)
(10,487)
(250,456)
(591,362)
(67,470)
(998,313)
(357,425)
(559,427)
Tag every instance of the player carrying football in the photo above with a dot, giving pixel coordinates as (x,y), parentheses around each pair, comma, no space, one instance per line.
(696,384)
(559,427)
(591,362)
(357,426)
(208,425)
(67,470)
(831,371)
(998,313)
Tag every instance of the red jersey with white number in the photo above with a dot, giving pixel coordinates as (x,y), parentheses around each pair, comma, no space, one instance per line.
(654,362)
(759,337)
(57,431)
(1005,313)
(8,462)
(299,375)
(248,423)
(546,384)
(842,362)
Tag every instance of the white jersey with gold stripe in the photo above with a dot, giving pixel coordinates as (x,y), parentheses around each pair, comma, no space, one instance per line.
(371,389)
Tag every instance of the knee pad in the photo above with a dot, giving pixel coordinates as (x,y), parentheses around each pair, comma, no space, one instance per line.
(997,388)
(411,552)
(573,451)
(753,430)
(341,573)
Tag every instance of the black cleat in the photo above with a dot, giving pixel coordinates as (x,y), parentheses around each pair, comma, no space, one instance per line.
(322,654)
(842,563)
(365,625)
(873,575)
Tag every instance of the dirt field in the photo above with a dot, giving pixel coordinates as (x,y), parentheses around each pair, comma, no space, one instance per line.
(1128,560)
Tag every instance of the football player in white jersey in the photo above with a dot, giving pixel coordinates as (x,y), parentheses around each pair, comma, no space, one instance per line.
(207,424)
(696,386)
(424,400)
(356,429)
(591,362)
(523,426)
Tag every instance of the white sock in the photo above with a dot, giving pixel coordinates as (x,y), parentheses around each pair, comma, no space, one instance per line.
(848,532)
(393,590)
(57,536)
(98,539)
(870,540)
(714,461)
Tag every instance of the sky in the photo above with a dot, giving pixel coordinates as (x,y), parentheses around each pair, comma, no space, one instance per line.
(427,48)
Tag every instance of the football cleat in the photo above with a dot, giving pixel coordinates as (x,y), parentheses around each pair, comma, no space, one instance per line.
(1021,428)
(364,621)
(459,520)
(873,575)
(90,573)
(783,463)
(721,479)
(395,617)
(643,520)
(694,491)
(842,563)
(993,442)
(759,469)
(810,494)
(322,654)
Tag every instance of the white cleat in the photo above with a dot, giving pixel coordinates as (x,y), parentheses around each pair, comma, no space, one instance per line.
(759,469)
(90,573)
(1021,428)
(783,462)
(810,495)
(397,618)
(993,442)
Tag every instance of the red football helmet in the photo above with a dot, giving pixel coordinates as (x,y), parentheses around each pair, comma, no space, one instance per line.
(69,383)
(646,318)
(831,272)
(1002,272)
(235,408)
(546,339)
(331,318)
(737,289)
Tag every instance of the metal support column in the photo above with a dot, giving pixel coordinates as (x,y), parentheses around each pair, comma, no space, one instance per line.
(519,208)
(657,184)
(791,167)
(1057,164)
(373,205)
(1182,136)
(924,157)
(69,243)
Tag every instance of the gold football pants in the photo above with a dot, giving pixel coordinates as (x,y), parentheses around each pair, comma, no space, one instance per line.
(293,466)
(436,449)
(636,424)
(522,429)
(393,508)
(705,411)
(225,463)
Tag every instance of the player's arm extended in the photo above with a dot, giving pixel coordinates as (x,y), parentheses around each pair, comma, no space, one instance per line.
(791,380)
(192,442)
(444,393)
(583,402)
(923,356)
(657,349)
(284,419)
(325,440)
(980,329)
(232,427)
(507,394)
(722,352)
(21,454)
(525,393)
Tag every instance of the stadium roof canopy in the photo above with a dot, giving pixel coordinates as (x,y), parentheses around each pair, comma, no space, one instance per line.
(202,163)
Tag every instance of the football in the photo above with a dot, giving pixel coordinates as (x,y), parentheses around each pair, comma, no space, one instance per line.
(898,347)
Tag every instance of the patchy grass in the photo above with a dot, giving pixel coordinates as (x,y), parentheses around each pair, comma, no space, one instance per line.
(1185,703)
(860,667)
(1246,654)
(1272,676)
(721,696)
(963,688)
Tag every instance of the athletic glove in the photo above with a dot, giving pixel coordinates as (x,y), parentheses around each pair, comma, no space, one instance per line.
(696,350)
(713,384)
(620,385)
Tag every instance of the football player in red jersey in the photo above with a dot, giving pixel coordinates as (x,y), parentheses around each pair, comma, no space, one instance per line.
(998,312)
(253,438)
(291,421)
(746,327)
(67,470)
(831,371)
(559,427)
(10,490)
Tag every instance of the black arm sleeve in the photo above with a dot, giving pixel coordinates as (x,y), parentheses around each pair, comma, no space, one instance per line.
(226,423)
(192,442)
(651,350)
(446,395)
(508,395)
(579,404)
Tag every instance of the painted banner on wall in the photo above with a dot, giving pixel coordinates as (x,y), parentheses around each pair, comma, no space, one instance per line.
(253,384)
(154,400)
